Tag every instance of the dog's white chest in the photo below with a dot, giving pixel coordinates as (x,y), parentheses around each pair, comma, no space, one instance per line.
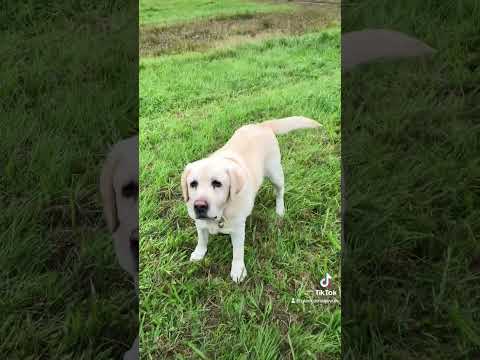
(215,228)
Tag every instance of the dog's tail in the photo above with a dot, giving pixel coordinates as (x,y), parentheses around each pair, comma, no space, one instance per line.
(285,125)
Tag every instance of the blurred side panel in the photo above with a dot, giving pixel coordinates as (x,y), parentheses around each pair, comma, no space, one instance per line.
(68,92)
(410,145)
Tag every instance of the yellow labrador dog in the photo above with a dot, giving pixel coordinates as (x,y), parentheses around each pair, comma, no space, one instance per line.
(119,190)
(220,190)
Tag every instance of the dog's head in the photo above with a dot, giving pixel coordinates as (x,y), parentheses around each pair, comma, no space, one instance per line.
(119,189)
(208,185)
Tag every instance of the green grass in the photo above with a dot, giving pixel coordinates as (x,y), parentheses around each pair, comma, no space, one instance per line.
(162,12)
(410,142)
(190,104)
(62,293)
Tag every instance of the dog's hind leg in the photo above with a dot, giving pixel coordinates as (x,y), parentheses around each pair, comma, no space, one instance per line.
(274,172)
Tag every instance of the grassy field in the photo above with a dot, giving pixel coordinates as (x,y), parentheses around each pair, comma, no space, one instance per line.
(174,11)
(411,143)
(190,104)
(63,294)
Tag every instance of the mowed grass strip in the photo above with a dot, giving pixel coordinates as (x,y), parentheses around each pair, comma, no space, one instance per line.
(174,11)
(232,30)
(189,106)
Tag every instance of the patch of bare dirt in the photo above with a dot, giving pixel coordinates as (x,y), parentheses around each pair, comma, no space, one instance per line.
(230,31)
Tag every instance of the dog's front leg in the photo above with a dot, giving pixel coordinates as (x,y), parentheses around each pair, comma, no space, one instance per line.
(238,271)
(202,243)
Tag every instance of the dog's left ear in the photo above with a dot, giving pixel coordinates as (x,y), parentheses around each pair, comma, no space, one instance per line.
(185,173)
(237,180)
(108,191)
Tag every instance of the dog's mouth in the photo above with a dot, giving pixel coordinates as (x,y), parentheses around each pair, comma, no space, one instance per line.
(134,250)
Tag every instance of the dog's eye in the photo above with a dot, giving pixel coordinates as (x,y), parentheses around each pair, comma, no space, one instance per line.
(193,184)
(130,190)
(216,184)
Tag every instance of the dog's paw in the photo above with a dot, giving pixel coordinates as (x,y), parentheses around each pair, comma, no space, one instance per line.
(280,209)
(198,254)
(238,272)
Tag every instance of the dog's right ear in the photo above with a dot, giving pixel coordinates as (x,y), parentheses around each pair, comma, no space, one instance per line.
(108,192)
(185,173)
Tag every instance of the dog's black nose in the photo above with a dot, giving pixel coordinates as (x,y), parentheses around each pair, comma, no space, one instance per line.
(201,208)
